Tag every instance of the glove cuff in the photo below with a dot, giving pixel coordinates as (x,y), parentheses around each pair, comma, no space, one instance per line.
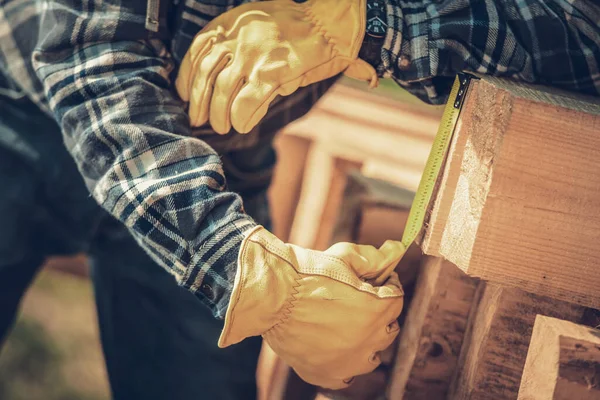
(261,294)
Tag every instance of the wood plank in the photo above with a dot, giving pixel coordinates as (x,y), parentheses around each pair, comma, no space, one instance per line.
(346,139)
(313,195)
(563,362)
(393,172)
(432,333)
(519,198)
(495,346)
(334,196)
(363,193)
(284,191)
(320,197)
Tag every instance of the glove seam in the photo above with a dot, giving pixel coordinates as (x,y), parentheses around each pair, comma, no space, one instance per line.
(314,271)
(212,77)
(274,91)
(287,311)
(312,18)
(316,23)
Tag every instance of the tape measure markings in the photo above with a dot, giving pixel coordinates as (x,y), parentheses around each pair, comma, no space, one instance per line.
(437,156)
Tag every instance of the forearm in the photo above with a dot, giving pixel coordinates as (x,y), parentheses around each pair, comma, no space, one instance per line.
(131,140)
(535,41)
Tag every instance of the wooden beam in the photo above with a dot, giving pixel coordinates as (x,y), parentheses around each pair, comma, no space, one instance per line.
(334,195)
(563,362)
(495,345)
(284,191)
(519,198)
(432,333)
(313,195)
(320,196)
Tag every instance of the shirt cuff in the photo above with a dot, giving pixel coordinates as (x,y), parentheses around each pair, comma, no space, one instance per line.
(213,269)
(392,44)
(405,54)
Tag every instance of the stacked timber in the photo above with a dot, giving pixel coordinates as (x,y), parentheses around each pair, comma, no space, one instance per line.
(518,206)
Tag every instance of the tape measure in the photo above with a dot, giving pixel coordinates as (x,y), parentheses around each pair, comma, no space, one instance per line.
(436,159)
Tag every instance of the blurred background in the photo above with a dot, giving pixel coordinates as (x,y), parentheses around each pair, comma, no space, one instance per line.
(341,160)
(53,352)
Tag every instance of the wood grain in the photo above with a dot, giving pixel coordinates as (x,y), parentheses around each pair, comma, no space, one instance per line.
(497,339)
(519,198)
(433,331)
(563,362)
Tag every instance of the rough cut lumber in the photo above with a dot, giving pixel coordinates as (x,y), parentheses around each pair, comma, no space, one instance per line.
(432,333)
(495,345)
(518,202)
(563,362)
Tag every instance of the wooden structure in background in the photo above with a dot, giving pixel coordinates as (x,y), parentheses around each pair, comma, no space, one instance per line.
(287,182)
(433,332)
(563,362)
(353,129)
(317,192)
(519,199)
(371,211)
(517,204)
(495,345)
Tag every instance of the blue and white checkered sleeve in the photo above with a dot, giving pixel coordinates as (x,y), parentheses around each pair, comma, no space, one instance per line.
(130,138)
(551,42)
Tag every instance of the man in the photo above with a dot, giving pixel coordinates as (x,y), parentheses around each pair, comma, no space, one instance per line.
(181,235)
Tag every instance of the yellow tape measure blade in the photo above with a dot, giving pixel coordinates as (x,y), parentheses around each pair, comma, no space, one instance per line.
(436,159)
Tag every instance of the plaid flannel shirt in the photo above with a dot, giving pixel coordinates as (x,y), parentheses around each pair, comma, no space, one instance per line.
(107,80)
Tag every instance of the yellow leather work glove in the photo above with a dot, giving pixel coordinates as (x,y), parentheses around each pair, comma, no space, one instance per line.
(316,310)
(244,58)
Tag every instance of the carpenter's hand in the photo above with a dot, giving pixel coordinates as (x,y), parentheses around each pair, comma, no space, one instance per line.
(317,310)
(244,58)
